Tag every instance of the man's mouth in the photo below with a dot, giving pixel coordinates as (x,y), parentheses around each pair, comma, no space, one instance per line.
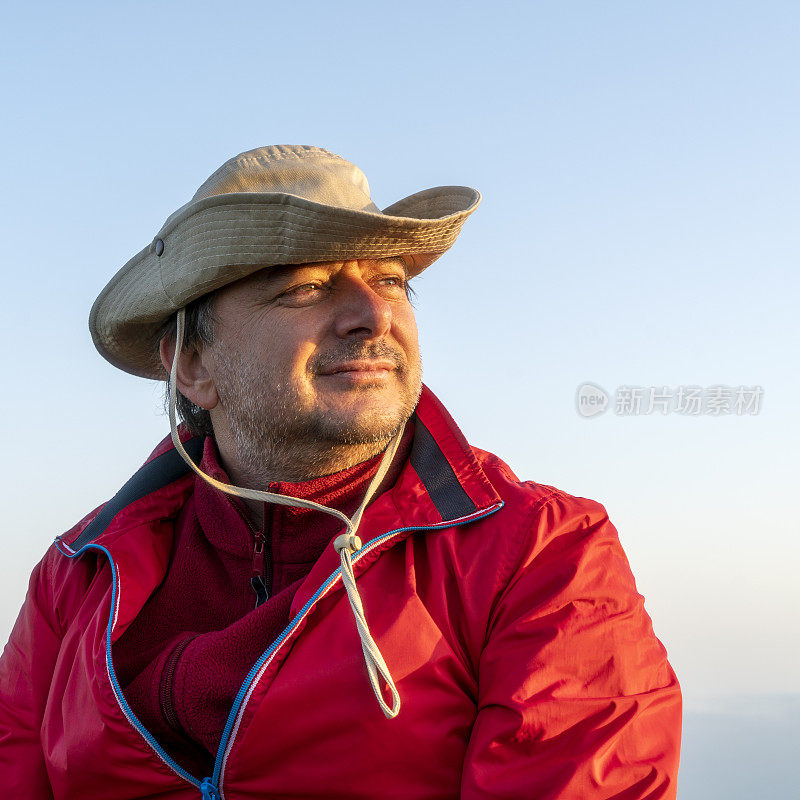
(361,367)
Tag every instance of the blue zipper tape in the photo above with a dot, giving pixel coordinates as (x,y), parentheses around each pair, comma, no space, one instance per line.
(126,709)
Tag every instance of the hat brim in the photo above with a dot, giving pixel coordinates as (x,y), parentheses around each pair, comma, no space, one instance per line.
(220,239)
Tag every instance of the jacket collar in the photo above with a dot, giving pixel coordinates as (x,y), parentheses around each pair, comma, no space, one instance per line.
(441,482)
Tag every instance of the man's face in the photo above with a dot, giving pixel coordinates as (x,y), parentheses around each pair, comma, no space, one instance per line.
(325,352)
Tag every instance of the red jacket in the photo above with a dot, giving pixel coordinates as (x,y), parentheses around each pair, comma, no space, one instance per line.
(505,610)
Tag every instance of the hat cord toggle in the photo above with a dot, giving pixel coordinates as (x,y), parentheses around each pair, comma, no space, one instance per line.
(345,544)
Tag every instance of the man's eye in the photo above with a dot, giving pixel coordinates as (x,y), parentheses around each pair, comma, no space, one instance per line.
(305,289)
(392,280)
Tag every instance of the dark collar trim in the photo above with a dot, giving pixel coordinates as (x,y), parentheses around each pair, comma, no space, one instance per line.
(436,474)
(162,470)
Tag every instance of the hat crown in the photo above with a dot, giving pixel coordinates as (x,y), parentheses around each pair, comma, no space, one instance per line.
(300,170)
(283,204)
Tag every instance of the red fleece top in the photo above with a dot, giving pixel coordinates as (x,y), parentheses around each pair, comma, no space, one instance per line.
(183,659)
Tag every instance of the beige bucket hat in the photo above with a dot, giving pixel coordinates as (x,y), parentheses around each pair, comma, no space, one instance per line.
(284,204)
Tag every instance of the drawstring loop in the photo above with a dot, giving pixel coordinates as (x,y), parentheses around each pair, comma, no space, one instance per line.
(345,544)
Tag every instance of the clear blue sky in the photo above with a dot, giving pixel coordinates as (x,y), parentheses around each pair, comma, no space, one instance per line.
(639,168)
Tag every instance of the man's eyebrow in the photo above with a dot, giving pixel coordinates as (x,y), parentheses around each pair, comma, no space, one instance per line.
(269,276)
(395,260)
(402,261)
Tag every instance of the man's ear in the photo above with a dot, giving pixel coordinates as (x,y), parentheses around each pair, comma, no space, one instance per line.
(194,381)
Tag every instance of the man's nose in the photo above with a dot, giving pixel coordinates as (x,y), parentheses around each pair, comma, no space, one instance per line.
(360,310)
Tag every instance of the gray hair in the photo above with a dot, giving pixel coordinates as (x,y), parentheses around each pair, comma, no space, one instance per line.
(198,330)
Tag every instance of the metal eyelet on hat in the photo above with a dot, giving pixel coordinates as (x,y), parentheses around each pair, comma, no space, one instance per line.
(158,246)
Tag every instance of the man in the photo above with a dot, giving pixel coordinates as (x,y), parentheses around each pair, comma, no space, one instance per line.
(315,587)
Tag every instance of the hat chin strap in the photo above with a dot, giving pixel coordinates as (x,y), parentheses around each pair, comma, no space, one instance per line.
(345,544)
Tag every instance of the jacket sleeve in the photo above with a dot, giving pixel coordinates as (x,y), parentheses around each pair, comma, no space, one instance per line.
(576,698)
(26,670)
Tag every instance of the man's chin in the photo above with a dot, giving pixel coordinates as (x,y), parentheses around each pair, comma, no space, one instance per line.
(363,412)
(363,427)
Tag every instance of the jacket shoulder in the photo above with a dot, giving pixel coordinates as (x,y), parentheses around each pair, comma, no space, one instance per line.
(529,494)
(543,524)
(567,550)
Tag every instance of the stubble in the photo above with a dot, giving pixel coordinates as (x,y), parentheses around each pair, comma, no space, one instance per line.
(279,434)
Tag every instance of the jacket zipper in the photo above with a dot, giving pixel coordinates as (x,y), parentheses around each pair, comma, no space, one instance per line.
(261,574)
(260,579)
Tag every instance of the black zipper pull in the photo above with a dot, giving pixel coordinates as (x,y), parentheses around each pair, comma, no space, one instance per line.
(257,578)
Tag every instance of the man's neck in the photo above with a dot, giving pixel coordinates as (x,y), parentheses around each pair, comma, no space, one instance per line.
(297,465)
(302,464)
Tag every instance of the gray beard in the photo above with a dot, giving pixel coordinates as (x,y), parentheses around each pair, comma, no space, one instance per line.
(277,439)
